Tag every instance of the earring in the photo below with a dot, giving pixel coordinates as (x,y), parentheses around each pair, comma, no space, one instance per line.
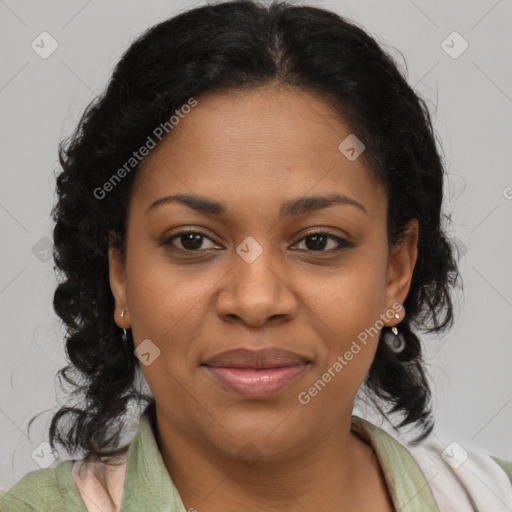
(123,336)
(397,342)
(394,329)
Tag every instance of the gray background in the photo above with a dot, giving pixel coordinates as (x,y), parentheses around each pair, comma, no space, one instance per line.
(471,100)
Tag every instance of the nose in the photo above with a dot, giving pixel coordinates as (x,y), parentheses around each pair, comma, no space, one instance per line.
(257,292)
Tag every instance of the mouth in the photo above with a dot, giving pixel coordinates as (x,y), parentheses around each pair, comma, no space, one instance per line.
(256,382)
(256,374)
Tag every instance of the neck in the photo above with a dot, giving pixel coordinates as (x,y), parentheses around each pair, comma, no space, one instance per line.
(327,474)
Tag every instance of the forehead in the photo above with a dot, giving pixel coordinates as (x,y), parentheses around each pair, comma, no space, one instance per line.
(254,146)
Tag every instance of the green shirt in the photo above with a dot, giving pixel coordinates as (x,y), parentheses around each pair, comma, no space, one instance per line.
(148,486)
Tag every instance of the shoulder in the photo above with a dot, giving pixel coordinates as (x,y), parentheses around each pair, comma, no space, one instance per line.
(470,474)
(461,478)
(43,489)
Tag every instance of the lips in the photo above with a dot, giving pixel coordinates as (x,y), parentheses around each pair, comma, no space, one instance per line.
(265,358)
(256,374)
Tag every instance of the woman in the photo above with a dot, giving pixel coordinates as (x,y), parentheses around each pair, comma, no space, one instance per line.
(252,211)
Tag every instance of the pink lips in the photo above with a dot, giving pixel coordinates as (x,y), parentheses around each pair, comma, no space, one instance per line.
(256,374)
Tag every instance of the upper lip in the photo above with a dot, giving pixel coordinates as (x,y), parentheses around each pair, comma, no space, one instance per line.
(264,358)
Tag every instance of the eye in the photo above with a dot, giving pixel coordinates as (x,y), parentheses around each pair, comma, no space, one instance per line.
(190,240)
(319,240)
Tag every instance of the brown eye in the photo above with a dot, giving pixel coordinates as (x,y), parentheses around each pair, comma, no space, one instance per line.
(318,240)
(190,241)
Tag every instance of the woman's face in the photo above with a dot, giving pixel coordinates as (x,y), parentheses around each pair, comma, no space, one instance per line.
(256,277)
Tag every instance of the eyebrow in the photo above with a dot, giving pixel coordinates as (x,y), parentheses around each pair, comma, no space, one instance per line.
(297,206)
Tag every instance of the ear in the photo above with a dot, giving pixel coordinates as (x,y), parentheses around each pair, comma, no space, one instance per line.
(401,265)
(117,278)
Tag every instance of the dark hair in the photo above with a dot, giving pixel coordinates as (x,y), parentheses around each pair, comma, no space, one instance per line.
(240,45)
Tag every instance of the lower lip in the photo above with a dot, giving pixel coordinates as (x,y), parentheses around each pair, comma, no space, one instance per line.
(253,383)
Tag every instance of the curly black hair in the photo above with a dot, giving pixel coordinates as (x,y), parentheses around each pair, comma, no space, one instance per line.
(240,45)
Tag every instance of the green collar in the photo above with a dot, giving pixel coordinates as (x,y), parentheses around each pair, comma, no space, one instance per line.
(147,484)
(408,488)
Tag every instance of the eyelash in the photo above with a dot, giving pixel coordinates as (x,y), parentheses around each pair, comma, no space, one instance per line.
(342,243)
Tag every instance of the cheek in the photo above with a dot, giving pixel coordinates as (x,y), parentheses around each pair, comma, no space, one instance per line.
(352,297)
(347,314)
(164,297)
(347,352)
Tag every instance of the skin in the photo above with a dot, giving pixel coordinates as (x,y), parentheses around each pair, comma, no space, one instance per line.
(252,151)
